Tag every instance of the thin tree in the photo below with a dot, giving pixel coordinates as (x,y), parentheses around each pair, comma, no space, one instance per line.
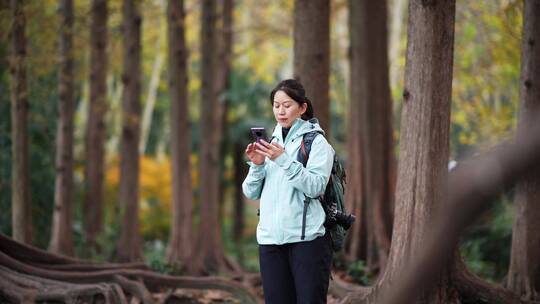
(370,119)
(20,185)
(524,272)
(224,57)
(95,127)
(130,242)
(312,54)
(210,255)
(62,234)
(181,241)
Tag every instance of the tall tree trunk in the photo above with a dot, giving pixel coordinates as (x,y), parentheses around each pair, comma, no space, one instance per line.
(312,54)
(210,253)
(425,126)
(130,242)
(95,128)
(224,57)
(371,109)
(181,242)
(524,272)
(20,189)
(62,234)
(355,194)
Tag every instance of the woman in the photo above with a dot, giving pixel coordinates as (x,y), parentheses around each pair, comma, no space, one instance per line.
(294,260)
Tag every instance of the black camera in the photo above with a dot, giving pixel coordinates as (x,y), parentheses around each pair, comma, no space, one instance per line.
(334,216)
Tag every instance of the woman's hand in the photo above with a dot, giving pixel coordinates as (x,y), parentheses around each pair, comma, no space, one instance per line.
(254,157)
(272,151)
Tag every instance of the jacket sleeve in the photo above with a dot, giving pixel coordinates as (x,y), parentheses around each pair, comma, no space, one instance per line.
(312,179)
(253,183)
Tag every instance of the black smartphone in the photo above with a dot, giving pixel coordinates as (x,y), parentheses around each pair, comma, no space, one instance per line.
(258,134)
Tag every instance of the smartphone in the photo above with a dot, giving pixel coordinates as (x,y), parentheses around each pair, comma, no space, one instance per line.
(258,134)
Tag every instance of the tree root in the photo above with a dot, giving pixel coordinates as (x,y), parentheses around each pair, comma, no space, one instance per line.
(473,289)
(30,274)
(343,290)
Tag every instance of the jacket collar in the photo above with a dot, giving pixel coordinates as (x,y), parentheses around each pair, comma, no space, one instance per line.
(298,128)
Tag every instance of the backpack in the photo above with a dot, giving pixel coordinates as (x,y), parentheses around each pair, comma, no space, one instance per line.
(337,220)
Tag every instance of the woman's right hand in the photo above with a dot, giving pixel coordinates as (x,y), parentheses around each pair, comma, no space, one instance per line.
(253,156)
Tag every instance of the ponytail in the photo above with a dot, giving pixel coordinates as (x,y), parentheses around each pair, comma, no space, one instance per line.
(308,114)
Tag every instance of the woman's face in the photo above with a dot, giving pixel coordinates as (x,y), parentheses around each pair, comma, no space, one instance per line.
(286,110)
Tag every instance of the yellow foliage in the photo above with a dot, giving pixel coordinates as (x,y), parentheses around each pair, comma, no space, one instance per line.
(155,192)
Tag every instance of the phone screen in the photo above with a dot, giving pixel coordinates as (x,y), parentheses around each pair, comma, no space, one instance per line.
(258,134)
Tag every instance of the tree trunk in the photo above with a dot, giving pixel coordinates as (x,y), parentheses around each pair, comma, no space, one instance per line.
(524,272)
(62,234)
(20,189)
(425,126)
(312,54)
(210,253)
(130,242)
(181,241)
(355,193)
(95,129)
(224,57)
(371,110)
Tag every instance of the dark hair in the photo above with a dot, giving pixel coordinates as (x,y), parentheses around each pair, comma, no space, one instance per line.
(296,91)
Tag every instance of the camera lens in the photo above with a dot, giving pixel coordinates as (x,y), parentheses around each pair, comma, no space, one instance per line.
(345,220)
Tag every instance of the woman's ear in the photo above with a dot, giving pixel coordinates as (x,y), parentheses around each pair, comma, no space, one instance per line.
(304,108)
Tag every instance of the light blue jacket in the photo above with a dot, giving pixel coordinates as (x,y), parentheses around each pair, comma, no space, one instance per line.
(281,184)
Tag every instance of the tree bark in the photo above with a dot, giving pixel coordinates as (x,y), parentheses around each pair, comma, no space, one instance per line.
(130,242)
(524,272)
(181,241)
(210,254)
(224,57)
(371,109)
(425,126)
(62,234)
(95,129)
(20,187)
(355,199)
(312,54)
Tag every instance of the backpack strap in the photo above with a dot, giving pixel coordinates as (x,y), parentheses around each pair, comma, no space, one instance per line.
(302,157)
(305,147)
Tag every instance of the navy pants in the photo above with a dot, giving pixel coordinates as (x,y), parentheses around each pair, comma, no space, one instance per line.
(296,272)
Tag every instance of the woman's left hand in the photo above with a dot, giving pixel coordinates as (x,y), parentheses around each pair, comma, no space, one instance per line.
(272,151)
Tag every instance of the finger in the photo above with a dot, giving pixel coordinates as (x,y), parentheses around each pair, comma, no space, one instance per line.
(261,147)
(277,145)
(274,147)
(262,153)
(264,142)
